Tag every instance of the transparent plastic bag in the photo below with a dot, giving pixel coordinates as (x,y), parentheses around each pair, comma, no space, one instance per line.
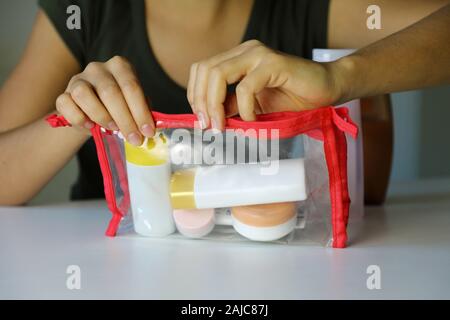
(281,178)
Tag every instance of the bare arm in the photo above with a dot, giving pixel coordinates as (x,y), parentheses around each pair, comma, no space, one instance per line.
(416,57)
(268,81)
(107,93)
(347,27)
(32,153)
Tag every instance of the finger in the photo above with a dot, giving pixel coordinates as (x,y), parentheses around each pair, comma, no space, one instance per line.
(234,52)
(247,89)
(112,98)
(83,94)
(69,109)
(134,96)
(200,87)
(216,95)
(191,84)
(199,84)
(213,61)
(220,76)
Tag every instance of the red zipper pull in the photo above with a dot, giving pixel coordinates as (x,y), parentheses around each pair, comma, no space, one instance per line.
(56,121)
(343,121)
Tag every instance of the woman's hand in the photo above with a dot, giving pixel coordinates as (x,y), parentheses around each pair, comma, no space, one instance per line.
(109,94)
(268,81)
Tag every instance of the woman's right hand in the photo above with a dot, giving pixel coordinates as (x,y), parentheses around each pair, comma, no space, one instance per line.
(108,94)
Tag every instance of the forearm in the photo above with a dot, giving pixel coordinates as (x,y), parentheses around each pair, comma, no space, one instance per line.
(416,57)
(31,156)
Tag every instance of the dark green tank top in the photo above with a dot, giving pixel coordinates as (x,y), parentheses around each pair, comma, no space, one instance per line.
(113,27)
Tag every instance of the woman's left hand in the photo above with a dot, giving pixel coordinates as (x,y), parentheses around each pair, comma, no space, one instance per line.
(267,81)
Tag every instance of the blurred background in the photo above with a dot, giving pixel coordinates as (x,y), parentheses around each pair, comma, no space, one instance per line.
(421,118)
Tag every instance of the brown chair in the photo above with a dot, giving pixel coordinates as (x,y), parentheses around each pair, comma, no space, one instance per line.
(377,129)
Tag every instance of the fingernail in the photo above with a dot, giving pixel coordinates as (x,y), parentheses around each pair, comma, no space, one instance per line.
(202,119)
(134,139)
(215,125)
(88,124)
(147,130)
(113,126)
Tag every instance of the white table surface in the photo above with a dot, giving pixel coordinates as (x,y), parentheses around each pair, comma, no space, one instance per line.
(408,239)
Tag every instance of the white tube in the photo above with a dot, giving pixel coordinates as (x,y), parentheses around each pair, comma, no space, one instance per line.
(222,186)
(243,184)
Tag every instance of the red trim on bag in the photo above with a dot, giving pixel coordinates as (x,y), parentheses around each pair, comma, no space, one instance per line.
(327,124)
(114,150)
(107,182)
(335,181)
(288,123)
(346,125)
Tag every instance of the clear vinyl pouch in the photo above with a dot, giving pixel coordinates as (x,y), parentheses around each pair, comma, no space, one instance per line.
(281,178)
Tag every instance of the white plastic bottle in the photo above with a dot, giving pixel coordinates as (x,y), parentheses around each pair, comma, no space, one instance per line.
(148,170)
(221,186)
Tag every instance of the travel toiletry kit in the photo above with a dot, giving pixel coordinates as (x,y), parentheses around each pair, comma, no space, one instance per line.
(281,178)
